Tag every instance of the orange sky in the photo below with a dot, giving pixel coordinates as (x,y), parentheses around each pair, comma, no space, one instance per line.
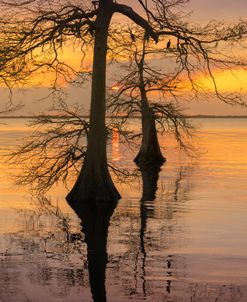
(203,10)
(229,81)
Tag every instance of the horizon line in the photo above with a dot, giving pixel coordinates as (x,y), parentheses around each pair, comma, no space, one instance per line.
(118,116)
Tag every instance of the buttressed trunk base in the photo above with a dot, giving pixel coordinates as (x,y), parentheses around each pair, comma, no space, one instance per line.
(93,185)
(150,152)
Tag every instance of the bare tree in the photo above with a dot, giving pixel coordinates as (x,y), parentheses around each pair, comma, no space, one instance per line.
(132,96)
(34,32)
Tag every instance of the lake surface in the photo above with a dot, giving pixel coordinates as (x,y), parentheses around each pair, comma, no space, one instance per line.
(188,244)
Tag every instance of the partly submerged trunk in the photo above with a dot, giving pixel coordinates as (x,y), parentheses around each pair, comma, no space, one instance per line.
(94,182)
(149,152)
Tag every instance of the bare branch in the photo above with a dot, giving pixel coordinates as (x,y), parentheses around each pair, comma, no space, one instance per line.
(129,12)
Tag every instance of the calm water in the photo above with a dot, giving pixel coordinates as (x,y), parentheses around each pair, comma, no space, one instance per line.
(188,244)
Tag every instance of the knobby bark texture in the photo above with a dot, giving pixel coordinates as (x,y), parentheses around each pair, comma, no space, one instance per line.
(94,181)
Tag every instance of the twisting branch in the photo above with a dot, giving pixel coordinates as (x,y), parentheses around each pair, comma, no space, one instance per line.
(129,12)
(56,150)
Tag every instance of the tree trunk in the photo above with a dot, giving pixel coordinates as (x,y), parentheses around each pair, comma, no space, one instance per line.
(149,152)
(94,182)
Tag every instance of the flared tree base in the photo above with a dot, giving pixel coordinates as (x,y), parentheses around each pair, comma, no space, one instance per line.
(149,153)
(89,188)
(147,159)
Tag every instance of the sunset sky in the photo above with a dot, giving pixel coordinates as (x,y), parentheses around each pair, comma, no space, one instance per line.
(203,11)
(220,9)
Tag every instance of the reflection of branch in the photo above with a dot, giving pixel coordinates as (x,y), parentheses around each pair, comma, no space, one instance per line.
(45,242)
(176,191)
(57,238)
(206,292)
(177,184)
(169,273)
(143,214)
(10,108)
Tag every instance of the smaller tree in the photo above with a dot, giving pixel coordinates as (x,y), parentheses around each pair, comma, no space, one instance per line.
(136,94)
(187,53)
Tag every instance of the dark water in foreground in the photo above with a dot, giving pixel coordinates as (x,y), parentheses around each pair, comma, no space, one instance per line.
(188,244)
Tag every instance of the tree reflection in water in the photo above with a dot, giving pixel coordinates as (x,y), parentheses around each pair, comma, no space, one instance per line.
(150,176)
(50,253)
(194,292)
(95,219)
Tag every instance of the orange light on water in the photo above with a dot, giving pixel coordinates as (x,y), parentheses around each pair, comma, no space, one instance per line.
(115,145)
